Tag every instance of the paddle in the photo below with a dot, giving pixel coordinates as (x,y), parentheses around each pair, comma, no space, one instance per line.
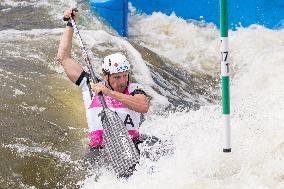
(117,142)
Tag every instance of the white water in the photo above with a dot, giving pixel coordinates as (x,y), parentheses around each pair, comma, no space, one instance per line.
(47,151)
(257,109)
(177,40)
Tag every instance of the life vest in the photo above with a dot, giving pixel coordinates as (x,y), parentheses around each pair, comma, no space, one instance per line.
(94,109)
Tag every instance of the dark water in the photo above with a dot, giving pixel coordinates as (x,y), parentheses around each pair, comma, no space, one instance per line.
(25,18)
(43,124)
(42,117)
(38,108)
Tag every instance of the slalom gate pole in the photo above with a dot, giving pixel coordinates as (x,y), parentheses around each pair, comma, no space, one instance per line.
(225,74)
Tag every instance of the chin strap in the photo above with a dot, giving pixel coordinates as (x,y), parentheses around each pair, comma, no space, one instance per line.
(109,82)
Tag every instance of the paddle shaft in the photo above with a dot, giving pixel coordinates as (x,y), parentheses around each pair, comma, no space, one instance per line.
(87,59)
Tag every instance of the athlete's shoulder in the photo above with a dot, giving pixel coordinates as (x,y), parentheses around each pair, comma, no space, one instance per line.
(136,88)
(84,78)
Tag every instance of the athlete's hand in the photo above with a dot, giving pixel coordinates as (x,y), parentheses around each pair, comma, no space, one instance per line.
(68,12)
(99,87)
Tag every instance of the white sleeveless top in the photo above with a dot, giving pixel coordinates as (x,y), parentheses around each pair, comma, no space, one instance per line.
(93,108)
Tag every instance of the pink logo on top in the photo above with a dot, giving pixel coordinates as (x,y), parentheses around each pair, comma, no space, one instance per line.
(110,102)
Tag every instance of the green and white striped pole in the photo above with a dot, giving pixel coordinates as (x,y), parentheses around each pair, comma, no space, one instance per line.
(225,74)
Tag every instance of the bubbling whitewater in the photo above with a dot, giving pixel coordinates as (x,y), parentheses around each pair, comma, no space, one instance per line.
(257,109)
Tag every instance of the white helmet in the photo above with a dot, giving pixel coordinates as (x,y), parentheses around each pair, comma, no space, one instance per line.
(115,63)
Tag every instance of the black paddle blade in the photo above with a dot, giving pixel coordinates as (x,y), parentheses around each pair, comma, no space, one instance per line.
(119,146)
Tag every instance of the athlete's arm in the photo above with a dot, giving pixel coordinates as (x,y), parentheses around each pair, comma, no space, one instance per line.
(72,68)
(137,102)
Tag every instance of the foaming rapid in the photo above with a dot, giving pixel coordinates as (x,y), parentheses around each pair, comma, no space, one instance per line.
(192,45)
(256,109)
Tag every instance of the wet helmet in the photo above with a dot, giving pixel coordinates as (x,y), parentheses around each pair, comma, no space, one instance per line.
(115,63)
